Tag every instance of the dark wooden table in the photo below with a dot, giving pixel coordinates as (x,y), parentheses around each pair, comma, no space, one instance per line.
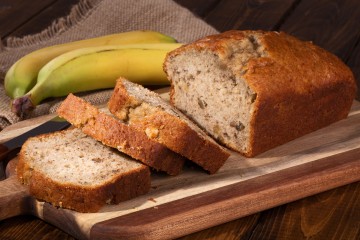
(331,24)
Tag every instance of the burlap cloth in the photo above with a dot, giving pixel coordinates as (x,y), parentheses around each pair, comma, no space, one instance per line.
(92,18)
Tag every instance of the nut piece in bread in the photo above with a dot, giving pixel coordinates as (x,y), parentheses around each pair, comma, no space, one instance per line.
(254,90)
(148,112)
(105,128)
(71,170)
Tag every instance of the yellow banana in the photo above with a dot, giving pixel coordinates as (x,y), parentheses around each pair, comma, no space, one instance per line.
(22,75)
(93,68)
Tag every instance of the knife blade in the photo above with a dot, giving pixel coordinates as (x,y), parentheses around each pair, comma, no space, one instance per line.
(10,148)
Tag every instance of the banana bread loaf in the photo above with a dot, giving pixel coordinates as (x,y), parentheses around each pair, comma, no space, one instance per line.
(254,90)
(71,170)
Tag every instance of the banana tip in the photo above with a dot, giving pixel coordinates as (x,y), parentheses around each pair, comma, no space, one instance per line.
(22,106)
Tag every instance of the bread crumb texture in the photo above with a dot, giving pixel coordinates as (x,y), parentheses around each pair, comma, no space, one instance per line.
(72,157)
(207,85)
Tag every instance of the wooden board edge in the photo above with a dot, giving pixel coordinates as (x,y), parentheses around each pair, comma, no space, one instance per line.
(15,198)
(198,212)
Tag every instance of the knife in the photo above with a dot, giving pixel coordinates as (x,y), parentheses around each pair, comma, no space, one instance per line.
(10,148)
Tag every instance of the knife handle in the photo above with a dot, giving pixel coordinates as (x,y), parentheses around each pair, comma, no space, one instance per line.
(6,155)
(3,152)
(3,156)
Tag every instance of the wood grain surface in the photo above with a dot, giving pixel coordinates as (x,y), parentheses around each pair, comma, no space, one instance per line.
(249,14)
(354,63)
(20,18)
(340,17)
(14,197)
(333,214)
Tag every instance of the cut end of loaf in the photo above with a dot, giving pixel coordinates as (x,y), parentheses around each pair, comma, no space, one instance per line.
(206,84)
(72,157)
(72,170)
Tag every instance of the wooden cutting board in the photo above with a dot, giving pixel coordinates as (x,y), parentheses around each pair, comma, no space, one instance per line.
(194,200)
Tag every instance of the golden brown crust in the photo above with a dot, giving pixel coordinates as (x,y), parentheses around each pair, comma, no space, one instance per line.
(125,138)
(300,85)
(22,169)
(170,130)
(121,187)
(327,84)
(89,199)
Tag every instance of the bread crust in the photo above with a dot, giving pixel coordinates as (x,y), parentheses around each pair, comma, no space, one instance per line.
(299,87)
(169,130)
(125,138)
(81,198)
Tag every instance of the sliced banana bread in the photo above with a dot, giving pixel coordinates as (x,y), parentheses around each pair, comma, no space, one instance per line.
(254,90)
(148,112)
(114,133)
(71,170)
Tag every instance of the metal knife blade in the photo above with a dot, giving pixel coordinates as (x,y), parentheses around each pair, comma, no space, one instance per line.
(11,147)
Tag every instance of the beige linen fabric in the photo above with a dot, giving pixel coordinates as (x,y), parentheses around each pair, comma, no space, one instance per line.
(92,18)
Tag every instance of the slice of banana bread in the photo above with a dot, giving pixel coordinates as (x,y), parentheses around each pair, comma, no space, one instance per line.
(148,112)
(114,133)
(254,90)
(71,170)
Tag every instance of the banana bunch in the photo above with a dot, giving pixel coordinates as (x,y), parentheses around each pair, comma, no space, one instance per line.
(87,65)
(22,75)
(93,68)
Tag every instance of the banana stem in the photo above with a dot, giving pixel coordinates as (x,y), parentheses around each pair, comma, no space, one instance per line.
(22,106)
